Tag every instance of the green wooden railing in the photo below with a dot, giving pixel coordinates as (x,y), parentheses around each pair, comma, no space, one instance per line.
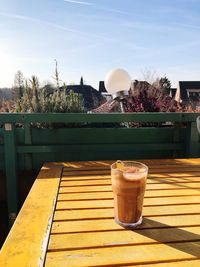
(24,147)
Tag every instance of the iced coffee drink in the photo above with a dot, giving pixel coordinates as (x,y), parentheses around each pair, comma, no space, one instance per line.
(128,184)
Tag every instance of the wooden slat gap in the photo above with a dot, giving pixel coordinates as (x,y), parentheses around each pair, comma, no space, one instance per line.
(122,229)
(77,200)
(83,185)
(122,245)
(111,198)
(112,218)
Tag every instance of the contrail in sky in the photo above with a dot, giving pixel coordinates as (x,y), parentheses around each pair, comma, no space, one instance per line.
(55,25)
(97,6)
(79,2)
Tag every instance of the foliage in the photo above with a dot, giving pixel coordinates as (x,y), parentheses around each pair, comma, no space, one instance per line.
(18,87)
(37,99)
(56,76)
(147,98)
(7,106)
(48,98)
(150,75)
(165,84)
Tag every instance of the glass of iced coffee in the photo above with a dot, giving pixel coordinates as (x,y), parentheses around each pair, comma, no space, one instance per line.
(128,184)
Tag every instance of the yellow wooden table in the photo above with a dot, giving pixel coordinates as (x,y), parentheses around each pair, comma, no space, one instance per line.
(67,219)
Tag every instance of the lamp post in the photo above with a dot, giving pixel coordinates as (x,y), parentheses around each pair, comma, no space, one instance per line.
(118,83)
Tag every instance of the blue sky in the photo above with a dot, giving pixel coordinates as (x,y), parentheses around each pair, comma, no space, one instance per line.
(91,37)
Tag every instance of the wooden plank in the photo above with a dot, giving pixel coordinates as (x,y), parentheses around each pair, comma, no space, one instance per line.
(173,161)
(155,167)
(151,178)
(151,253)
(85,177)
(176,161)
(166,186)
(105,164)
(180,263)
(27,241)
(175,166)
(151,165)
(109,202)
(101,188)
(175,170)
(86,182)
(155,171)
(108,135)
(98,180)
(109,194)
(80,189)
(10,158)
(107,224)
(106,147)
(109,117)
(125,237)
(174,175)
(84,214)
(152,171)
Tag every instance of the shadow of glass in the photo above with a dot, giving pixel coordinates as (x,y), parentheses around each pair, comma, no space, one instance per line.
(174,237)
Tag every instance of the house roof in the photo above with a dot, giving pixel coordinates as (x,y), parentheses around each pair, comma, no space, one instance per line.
(183,86)
(91,97)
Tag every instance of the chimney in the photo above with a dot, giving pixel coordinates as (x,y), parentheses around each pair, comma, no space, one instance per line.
(102,88)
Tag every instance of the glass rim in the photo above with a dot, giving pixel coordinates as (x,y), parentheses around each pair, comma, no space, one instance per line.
(130,161)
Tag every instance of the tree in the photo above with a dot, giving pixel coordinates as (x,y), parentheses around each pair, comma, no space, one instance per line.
(162,83)
(18,88)
(56,76)
(149,76)
(165,84)
(35,87)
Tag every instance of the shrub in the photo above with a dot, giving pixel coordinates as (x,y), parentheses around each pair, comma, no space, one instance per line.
(146,98)
(37,99)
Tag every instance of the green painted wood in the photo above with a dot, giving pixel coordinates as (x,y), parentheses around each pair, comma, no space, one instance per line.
(176,136)
(94,136)
(192,139)
(2,163)
(28,141)
(97,118)
(103,135)
(11,171)
(81,136)
(98,147)
(27,133)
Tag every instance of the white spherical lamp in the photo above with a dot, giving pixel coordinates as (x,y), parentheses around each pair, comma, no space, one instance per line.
(117,80)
